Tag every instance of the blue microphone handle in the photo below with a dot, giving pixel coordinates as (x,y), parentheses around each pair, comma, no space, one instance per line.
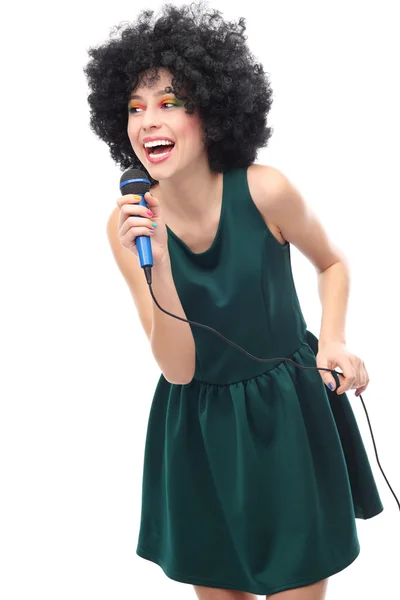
(143,243)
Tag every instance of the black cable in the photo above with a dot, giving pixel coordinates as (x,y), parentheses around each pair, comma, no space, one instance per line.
(147,270)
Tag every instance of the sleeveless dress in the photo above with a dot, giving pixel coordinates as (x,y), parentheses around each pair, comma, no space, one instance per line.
(254,472)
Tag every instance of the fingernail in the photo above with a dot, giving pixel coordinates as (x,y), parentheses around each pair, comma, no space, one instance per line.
(154,224)
(330,386)
(149,213)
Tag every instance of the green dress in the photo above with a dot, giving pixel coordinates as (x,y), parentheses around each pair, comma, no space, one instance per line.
(254,472)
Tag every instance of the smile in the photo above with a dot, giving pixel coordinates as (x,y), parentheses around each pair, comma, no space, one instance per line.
(156,158)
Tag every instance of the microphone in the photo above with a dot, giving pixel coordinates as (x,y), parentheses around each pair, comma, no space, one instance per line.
(134,181)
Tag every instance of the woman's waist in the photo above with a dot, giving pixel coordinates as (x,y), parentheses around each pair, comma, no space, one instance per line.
(227,364)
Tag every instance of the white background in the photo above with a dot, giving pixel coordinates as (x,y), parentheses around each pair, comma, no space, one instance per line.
(78,375)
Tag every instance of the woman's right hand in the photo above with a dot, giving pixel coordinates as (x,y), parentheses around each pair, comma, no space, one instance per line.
(134,221)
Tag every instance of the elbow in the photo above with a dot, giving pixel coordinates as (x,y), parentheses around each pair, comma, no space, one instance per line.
(179,380)
(175,373)
(180,377)
(178,365)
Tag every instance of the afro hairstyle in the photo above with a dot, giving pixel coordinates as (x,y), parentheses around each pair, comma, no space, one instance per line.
(207,57)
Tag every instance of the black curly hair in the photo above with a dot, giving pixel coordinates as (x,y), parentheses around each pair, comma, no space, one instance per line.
(207,57)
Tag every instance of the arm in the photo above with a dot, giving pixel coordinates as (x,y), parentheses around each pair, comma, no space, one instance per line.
(171,340)
(282,204)
(334,289)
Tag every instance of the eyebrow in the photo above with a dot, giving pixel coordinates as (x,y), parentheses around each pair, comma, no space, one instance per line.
(159,93)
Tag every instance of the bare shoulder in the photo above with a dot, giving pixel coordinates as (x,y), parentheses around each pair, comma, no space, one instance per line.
(262,181)
(132,272)
(292,218)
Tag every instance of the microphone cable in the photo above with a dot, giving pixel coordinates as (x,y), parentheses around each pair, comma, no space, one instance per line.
(135,181)
(147,270)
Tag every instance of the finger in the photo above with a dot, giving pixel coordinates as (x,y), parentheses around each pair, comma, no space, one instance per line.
(327,378)
(153,203)
(362,388)
(348,377)
(128,240)
(362,378)
(129,209)
(135,223)
(341,381)
(360,375)
(128,199)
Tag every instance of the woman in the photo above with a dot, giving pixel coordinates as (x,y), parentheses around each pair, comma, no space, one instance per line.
(254,471)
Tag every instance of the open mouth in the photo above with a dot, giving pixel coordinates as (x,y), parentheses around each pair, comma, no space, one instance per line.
(159,153)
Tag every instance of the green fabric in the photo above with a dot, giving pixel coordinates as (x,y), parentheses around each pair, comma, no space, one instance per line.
(254,473)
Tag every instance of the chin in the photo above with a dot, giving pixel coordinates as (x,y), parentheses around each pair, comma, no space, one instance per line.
(162,171)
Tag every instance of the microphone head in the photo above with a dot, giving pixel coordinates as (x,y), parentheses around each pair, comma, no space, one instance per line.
(134,181)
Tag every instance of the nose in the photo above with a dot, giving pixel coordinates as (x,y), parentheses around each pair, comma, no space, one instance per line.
(151,119)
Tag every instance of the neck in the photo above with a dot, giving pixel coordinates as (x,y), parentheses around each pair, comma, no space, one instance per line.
(192,195)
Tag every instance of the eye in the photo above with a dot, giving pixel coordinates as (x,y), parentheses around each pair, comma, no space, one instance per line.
(133,109)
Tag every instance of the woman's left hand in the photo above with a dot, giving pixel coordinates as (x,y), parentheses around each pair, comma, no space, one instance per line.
(335,354)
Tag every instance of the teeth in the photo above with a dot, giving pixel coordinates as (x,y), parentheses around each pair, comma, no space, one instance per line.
(158,143)
(154,155)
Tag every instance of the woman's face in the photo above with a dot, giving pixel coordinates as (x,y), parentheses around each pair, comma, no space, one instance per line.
(155,113)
